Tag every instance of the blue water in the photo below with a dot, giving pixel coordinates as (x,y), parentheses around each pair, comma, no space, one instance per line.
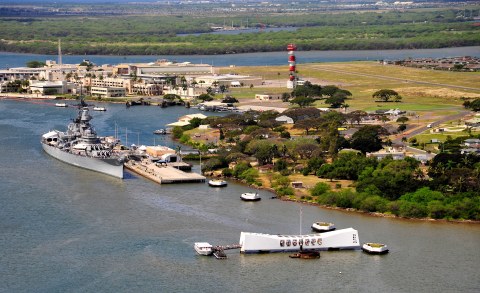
(8,60)
(65,229)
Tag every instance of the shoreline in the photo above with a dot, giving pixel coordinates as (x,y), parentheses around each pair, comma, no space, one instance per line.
(348,210)
(283,198)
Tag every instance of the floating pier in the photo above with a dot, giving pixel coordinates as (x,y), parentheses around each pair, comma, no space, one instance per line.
(163,173)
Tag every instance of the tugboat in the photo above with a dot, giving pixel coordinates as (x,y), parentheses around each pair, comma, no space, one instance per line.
(80,146)
(375,248)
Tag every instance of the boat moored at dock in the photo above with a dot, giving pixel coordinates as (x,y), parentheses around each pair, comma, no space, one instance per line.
(203,248)
(375,248)
(160,131)
(341,239)
(306,254)
(323,227)
(80,146)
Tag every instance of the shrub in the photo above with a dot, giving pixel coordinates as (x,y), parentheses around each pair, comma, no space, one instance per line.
(437,210)
(250,175)
(412,210)
(281,181)
(320,188)
(177,132)
(280,165)
(184,138)
(374,204)
(226,172)
(240,168)
(282,191)
(285,134)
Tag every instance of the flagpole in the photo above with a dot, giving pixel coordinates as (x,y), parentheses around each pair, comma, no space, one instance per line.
(301,212)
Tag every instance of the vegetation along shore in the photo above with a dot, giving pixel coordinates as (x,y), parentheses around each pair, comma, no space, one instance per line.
(349,157)
(125,34)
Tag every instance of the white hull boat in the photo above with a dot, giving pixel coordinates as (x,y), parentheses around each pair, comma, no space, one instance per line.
(203,248)
(323,227)
(61,105)
(375,248)
(341,239)
(217,183)
(99,109)
(160,131)
(250,196)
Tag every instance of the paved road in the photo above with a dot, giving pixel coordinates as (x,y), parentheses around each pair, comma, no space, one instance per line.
(397,79)
(421,129)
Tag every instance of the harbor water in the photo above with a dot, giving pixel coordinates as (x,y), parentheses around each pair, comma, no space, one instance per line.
(65,229)
(9,60)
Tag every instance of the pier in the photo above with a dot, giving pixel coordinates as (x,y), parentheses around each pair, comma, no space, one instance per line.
(163,173)
(219,250)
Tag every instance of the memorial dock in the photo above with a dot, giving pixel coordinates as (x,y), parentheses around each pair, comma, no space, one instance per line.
(163,173)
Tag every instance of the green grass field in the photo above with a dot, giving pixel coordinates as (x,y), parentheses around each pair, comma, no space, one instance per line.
(364,78)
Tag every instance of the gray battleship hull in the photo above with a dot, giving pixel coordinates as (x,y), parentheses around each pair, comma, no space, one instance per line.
(109,166)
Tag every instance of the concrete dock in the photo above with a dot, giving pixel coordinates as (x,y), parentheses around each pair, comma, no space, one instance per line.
(162,173)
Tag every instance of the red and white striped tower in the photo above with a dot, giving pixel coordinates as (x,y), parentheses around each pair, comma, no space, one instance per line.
(292,78)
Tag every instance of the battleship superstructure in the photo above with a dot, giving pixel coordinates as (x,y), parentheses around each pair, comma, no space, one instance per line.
(80,146)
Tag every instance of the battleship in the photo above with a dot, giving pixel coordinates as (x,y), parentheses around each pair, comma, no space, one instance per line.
(80,146)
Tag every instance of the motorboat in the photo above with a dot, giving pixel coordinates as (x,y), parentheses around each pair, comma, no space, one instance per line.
(306,254)
(250,196)
(160,131)
(203,248)
(323,227)
(99,109)
(217,183)
(61,105)
(375,248)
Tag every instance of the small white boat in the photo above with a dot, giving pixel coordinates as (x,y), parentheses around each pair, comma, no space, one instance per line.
(61,105)
(203,248)
(375,248)
(99,109)
(217,183)
(160,131)
(250,196)
(323,227)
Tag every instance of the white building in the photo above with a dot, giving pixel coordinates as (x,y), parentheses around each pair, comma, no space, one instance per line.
(107,92)
(50,87)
